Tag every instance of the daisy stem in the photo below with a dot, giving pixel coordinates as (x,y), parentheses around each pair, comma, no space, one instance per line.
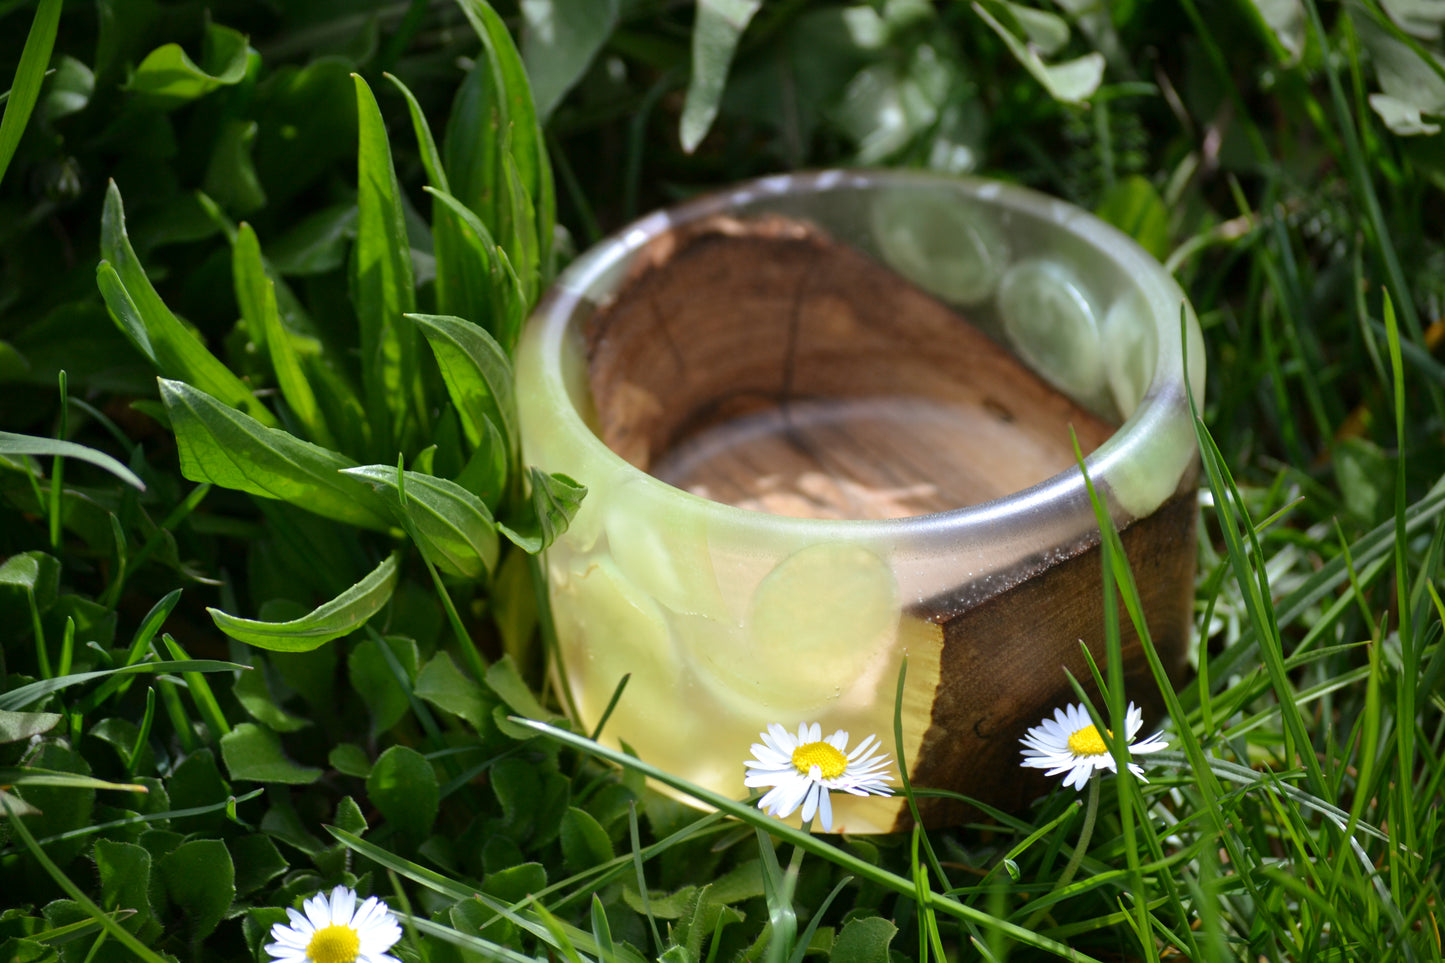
(1086,832)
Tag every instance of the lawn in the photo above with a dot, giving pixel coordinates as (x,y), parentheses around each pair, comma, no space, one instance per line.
(269,625)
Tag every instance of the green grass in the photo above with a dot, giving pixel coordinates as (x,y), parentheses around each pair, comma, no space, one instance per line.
(322,673)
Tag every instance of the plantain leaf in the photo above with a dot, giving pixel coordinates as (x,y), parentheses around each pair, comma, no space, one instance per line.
(715,34)
(482,283)
(256,296)
(517,117)
(29,73)
(13,444)
(222,446)
(139,312)
(477,374)
(343,615)
(382,287)
(559,40)
(455,527)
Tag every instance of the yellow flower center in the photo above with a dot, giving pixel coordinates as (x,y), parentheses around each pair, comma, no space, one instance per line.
(1087,742)
(334,944)
(832,762)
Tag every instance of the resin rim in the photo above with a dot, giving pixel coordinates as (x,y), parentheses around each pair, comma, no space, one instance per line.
(1157,435)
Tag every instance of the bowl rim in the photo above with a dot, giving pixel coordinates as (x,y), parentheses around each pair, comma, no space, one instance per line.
(572,296)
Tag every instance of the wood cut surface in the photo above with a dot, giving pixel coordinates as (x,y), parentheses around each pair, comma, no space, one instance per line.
(762,364)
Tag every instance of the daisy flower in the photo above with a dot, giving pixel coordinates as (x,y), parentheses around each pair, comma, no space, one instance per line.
(335,930)
(803,770)
(1070,741)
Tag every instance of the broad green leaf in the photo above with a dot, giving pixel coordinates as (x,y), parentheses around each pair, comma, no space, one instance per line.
(219,444)
(715,34)
(518,117)
(454,526)
(442,684)
(254,752)
(1135,207)
(125,876)
(62,808)
(15,726)
(482,283)
(255,697)
(478,376)
(13,444)
(257,862)
(343,615)
(584,841)
(351,759)
(403,787)
(70,89)
(29,73)
(864,940)
(317,243)
(555,499)
(256,296)
(485,473)
(559,40)
(168,77)
(507,683)
(22,696)
(381,281)
(1071,82)
(144,317)
(200,878)
(370,672)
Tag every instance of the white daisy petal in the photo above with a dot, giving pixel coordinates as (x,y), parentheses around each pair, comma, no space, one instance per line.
(305,941)
(1069,743)
(803,770)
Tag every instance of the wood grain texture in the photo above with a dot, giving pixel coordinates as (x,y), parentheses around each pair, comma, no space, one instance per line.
(1004,658)
(761,364)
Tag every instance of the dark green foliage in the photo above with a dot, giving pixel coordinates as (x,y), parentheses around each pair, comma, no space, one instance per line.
(283,252)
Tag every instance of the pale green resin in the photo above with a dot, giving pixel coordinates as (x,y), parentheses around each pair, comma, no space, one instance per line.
(727,620)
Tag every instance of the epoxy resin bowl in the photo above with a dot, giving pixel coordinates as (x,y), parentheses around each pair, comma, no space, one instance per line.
(825,425)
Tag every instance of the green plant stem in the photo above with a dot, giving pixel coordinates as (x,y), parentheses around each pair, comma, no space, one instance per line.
(1086,832)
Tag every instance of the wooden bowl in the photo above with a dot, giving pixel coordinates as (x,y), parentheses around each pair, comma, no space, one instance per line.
(824,421)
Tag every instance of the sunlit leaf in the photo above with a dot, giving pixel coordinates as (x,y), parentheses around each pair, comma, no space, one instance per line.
(169,77)
(559,40)
(715,34)
(254,752)
(221,445)
(144,317)
(381,281)
(343,615)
